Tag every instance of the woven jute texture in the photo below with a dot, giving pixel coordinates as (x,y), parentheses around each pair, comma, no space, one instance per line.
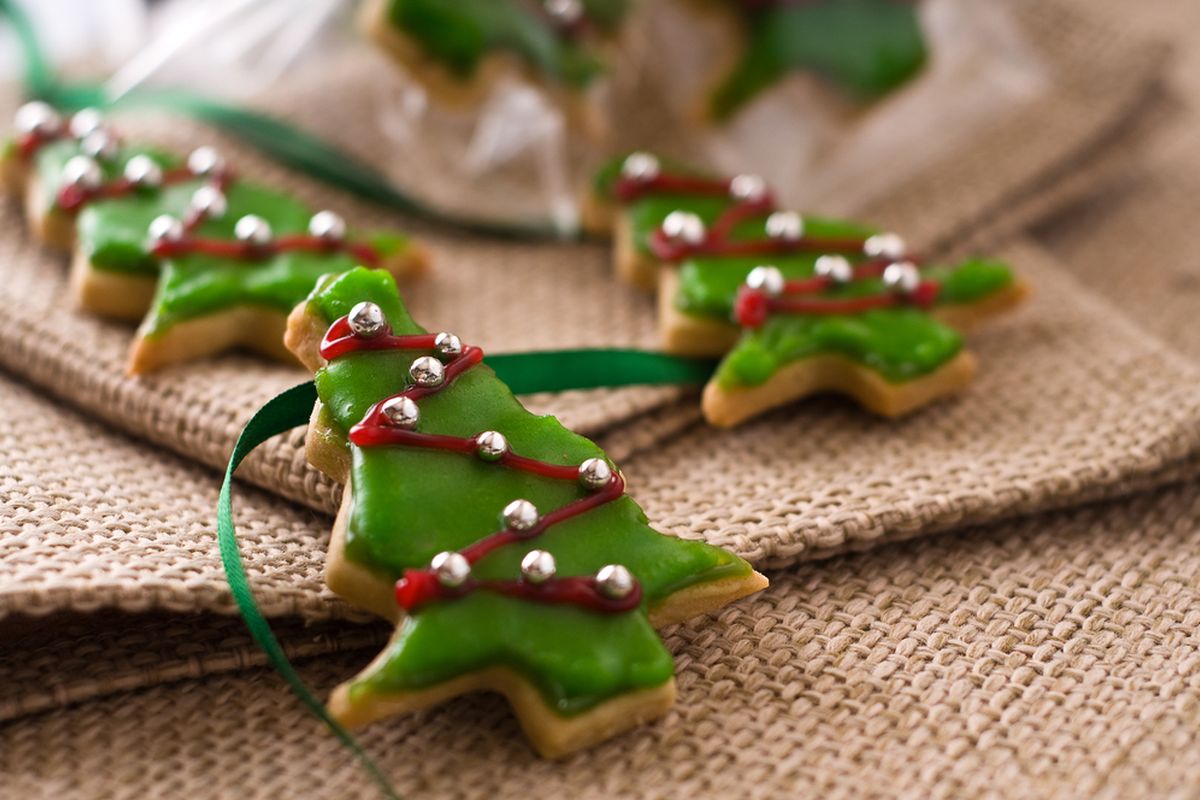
(1058,657)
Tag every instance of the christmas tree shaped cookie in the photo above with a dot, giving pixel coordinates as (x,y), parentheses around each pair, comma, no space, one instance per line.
(796,304)
(461,49)
(866,48)
(207,260)
(503,546)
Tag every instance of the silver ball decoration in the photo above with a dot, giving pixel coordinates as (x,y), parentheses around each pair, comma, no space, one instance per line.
(451,569)
(366,320)
(85,122)
(683,226)
(209,202)
(205,161)
(520,515)
(82,172)
(747,188)
(37,118)
(253,229)
(144,172)
(766,279)
(164,228)
(787,226)
(538,566)
(885,245)
(594,474)
(401,412)
(491,445)
(836,268)
(327,225)
(566,12)
(100,145)
(427,372)
(903,276)
(448,344)
(640,167)
(614,581)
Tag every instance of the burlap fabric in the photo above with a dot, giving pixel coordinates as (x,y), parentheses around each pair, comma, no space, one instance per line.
(1053,656)
(1058,657)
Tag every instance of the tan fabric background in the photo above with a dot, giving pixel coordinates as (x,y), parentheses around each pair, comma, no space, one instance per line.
(1051,656)
(1055,657)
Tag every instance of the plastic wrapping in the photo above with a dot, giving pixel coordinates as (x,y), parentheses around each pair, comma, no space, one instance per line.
(517,155)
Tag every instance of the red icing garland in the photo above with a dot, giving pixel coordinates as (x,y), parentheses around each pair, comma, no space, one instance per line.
(421,586)
(249,251)
(753,306)
(73,198)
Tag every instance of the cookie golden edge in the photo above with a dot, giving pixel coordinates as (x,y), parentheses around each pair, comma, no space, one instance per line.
(552,734)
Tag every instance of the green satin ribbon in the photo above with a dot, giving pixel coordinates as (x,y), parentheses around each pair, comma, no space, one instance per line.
(274,137)
(285,411)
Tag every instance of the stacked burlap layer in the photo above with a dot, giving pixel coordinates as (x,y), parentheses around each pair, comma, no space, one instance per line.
(1055,657)
(1051,656)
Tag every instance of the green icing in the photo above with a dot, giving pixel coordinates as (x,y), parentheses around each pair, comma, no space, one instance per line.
(461,33)
(409,504)
(868,47)
(900,343)
(197,284)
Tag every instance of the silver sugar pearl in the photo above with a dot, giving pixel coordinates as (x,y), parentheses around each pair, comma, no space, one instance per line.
(903,277)
(836,268)
(327,225)
(164,228)
(491,445)
(427,372)
(566,12)
(447,344)
(83,172)
(594,474)
(37,118)
(885,245)
(785,225)
(84,122)
(451,569)
(538,566)
(766,279)
(205,161)
(640,167)
(520,515)
(210,202)
(100,145)
(253,229)
(747,188)
(366,320)
(144,172)
(614,581)
(683,226)
(401,412)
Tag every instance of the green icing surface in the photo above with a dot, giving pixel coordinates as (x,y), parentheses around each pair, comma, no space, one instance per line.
(461,33)
(867,47)
(899,343)
(198,284)
(410,504)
